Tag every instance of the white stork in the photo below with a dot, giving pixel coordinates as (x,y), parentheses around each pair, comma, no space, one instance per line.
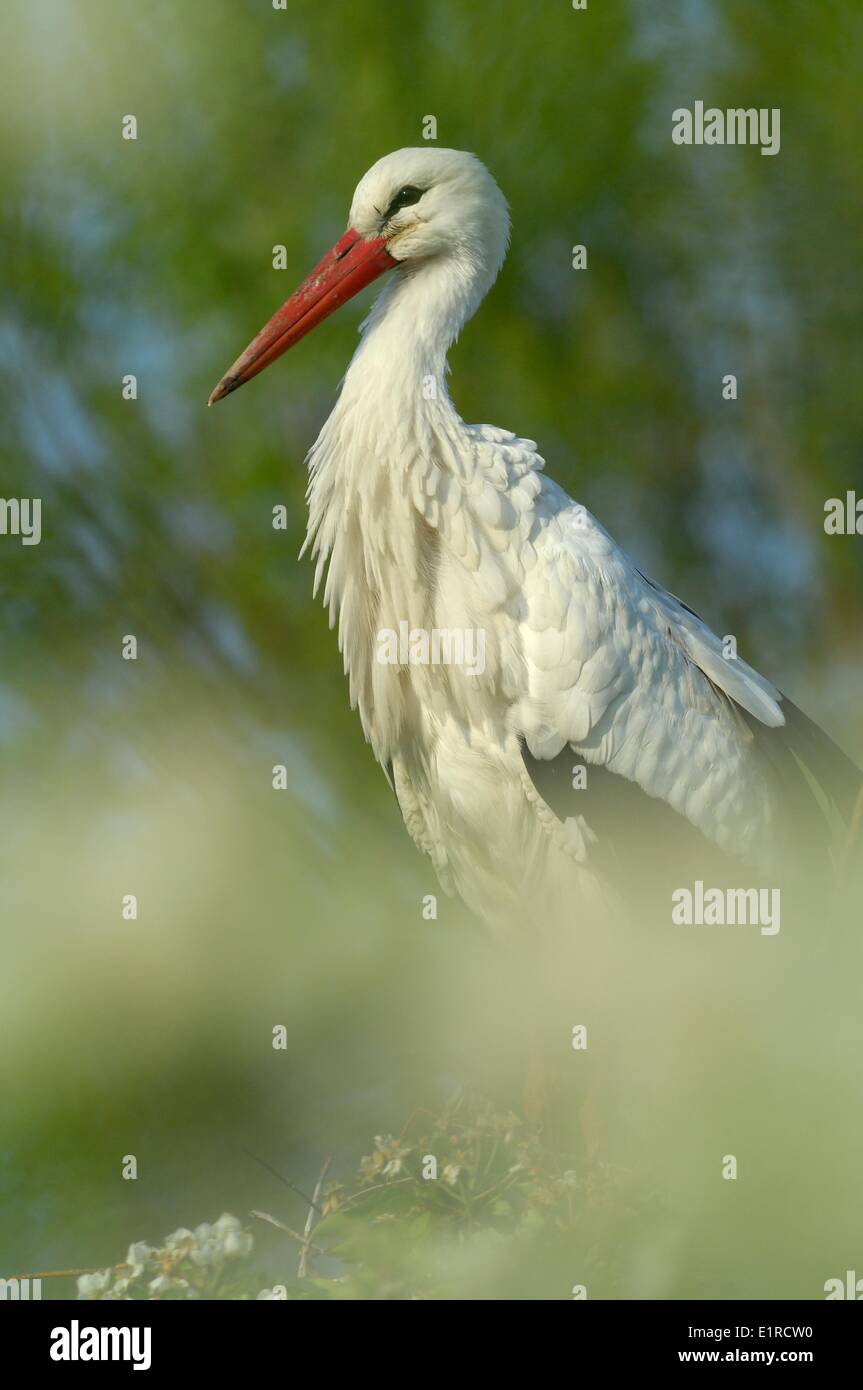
(420,519)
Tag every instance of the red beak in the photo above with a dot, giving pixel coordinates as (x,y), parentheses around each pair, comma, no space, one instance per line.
(345,270)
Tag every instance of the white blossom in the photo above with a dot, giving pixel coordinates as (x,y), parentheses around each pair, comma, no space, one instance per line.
(92,1285)
(237,1244)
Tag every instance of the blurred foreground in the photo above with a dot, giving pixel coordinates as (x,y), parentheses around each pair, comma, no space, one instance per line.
(259,908)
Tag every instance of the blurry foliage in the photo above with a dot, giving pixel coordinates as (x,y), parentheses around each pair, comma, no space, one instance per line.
(501,1217)
(154,257)
(258,909)
(189,1265)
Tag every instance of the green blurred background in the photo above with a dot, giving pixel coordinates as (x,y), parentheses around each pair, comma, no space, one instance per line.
(257,907)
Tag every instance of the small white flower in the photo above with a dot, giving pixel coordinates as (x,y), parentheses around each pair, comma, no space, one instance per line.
(161,1284)
(227,1223)
(450,1174)
(207,1253)
(237,1244)
(277,1294)
(204,1231)
(93,1285)
(137,1256)
(181,1237)
(392,1168)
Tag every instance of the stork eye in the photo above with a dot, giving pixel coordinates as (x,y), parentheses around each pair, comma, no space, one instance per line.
(403,199)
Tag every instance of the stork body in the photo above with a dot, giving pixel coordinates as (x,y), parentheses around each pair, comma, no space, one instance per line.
(417,518)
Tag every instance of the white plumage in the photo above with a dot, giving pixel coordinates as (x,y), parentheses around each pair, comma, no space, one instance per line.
(416,517)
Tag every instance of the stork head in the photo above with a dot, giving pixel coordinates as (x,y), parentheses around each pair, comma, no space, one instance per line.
(429,202)
(414,207)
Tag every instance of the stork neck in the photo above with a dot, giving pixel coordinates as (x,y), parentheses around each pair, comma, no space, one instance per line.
(408,333)
(387,455)
(394,418)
